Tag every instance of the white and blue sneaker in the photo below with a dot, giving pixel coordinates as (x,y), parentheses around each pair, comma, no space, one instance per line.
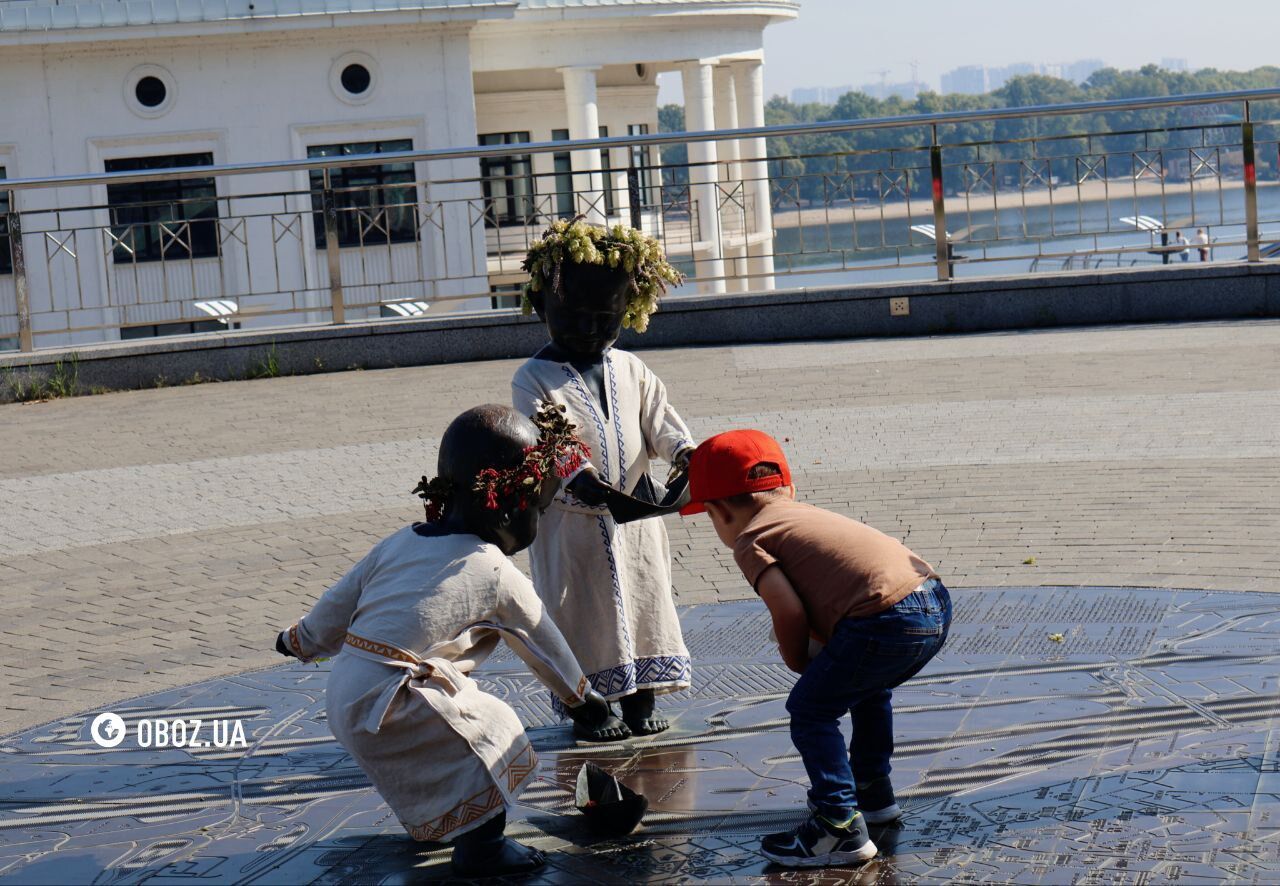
(820,843)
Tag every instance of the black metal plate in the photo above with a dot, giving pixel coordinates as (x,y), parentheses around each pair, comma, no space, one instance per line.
(1144,747)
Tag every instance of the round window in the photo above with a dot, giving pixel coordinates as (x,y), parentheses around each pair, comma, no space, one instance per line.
(353,77)
(356,79)
(151,92)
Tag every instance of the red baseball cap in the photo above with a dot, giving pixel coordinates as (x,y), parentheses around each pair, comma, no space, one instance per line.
(721,467)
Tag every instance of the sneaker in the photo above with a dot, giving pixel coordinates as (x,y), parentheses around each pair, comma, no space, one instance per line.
(818,843)
(875,799)
(883,815)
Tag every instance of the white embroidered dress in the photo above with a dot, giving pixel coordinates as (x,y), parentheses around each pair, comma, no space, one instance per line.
(407,624)
(608,586)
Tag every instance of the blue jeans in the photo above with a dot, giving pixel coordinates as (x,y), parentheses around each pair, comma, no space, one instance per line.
(856,673)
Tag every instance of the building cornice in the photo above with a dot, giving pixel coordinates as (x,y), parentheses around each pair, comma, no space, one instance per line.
(536,10)
(39,23)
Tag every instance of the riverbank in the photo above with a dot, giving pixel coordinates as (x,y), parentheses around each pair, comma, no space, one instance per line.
(1116,191)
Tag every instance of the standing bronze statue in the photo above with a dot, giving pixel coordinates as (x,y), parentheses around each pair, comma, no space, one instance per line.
(607,582)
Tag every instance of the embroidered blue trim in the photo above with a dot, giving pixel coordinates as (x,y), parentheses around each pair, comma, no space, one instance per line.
(591,407)
(618,602)
(643,673)
(617,424)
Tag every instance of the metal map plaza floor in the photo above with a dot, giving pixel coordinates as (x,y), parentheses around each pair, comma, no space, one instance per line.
(1144,746)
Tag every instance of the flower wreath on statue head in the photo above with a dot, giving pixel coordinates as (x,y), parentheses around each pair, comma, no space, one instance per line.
(577,241)
(558,451)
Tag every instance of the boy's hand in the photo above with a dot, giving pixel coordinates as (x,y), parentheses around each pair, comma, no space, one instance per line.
(679,464)
(283,647)
(589,489)
(790,623)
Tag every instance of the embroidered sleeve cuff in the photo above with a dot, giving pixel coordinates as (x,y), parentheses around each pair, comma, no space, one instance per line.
(580,697)
(294,643)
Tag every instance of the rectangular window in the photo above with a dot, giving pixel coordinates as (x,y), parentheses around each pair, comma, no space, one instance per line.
(507,182)
(6,256)
(564,176)
(642,161)
(376,204)
(506,295)
(156,330)
(163,220)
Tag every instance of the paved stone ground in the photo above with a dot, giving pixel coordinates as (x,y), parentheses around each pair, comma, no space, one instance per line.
(155,538)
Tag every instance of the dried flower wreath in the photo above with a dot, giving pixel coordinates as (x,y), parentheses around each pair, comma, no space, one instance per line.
(557,451)
(582,243)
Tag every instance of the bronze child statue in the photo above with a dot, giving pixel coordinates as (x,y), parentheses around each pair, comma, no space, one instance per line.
(606,584)
(422,609)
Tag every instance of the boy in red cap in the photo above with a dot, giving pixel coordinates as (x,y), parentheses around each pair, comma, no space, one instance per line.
(878,613)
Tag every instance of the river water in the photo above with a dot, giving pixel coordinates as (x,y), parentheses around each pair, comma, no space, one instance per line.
(1016,241)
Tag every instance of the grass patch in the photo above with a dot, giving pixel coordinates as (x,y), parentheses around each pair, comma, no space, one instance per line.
(24,386)
(268,366)
(27,386)
(65,379)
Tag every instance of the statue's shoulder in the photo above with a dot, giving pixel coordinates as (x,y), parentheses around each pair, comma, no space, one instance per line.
(630,364)
(625,358)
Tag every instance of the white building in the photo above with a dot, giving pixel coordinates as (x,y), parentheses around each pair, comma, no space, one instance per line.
(103,85)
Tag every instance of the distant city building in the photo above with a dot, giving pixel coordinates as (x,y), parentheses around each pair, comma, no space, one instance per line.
(1080,71)
(978,79)
(969,80)
(1173,64)
(827,95)
(998,77)
(882,91)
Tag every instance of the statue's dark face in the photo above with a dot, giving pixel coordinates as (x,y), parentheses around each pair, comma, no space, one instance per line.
(585,319)
(519,532)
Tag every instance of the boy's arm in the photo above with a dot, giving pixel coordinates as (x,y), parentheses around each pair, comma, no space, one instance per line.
(323,630)
(665,433)
(790,623)
(535,638)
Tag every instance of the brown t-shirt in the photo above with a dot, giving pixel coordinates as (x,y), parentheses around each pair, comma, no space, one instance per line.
(840,568)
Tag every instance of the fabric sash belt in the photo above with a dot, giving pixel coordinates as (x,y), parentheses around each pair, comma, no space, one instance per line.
(435,673)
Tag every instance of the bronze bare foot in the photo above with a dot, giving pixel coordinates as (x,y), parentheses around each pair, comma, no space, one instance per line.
(612,729)
(638,713)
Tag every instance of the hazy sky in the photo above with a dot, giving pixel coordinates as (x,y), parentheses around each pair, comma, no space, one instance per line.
(839,42)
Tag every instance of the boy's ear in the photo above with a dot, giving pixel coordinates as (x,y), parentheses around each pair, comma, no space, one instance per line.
(720,511)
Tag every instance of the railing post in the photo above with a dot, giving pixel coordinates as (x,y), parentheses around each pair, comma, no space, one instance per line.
(331,251)
(1250,186)
(942,245)
(633,193)
(21,296)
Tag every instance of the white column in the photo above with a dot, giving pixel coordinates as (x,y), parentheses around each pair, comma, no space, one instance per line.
(699,115)
(584,122)
(748,81)
(456,243)
(733,220)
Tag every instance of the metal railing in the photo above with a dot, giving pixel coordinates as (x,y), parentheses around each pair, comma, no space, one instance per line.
(334,239)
